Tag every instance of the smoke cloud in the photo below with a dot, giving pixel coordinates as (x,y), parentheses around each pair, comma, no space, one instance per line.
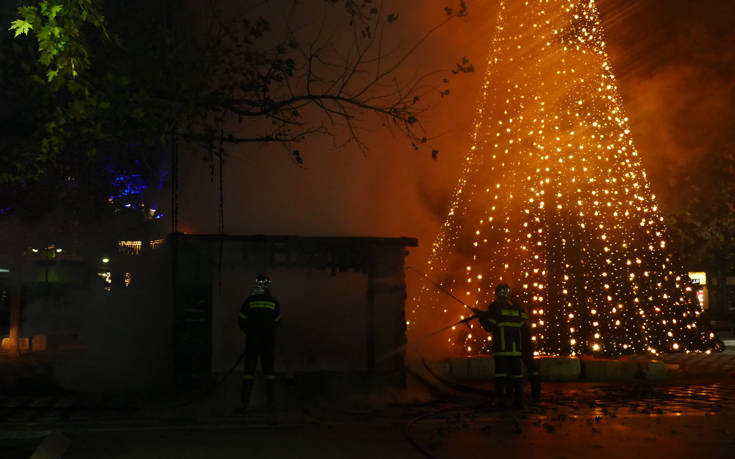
(672,61)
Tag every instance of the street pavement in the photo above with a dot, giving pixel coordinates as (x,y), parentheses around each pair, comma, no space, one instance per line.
(583,436)
(691,414)
(690,418)
(721,362)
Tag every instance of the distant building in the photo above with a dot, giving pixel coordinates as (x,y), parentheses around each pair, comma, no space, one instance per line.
(707,286)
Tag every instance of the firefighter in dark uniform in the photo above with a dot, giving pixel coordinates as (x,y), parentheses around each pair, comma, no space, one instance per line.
(260,315)
(509,325)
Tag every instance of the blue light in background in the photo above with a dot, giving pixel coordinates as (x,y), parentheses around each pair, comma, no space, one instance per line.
(162,178)
(125,184)
(128,185)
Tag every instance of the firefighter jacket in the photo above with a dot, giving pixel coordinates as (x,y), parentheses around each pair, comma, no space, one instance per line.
(509,326)
(260,313)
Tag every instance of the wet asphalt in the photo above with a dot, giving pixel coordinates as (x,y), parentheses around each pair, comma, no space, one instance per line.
(690,418)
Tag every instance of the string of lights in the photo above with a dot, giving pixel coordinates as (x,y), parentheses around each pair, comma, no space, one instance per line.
(554,200)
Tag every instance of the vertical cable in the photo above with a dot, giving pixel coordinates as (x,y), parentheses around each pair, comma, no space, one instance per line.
(174,184)
(221,209)
(221,184)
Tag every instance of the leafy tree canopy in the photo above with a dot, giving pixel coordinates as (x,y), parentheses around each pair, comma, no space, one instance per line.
(705,222)
(89,83)
(239,81)
(58,28)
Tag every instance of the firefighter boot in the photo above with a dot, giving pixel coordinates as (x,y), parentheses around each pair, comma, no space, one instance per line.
(245,389)
(518,393)
(270,391)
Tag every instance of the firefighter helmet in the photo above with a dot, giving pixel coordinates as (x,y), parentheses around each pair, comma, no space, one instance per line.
(502,291)
(263,282)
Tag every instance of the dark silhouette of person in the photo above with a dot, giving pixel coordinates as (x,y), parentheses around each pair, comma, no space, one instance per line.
(260,316)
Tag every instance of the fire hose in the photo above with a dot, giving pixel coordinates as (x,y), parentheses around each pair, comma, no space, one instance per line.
(476,313)
(212,387)
(407,432)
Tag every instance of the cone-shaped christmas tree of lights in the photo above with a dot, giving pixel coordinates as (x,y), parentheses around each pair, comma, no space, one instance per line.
(554,200)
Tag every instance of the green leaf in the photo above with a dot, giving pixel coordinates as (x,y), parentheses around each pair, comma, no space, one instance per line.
(51,74)
(54,10)
(21,27)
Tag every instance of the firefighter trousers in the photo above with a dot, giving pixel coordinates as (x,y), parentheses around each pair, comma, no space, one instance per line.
(509,379)
(258,347)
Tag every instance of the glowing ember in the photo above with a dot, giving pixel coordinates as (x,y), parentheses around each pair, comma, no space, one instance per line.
(554,198)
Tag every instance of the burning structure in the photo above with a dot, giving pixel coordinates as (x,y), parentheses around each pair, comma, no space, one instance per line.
(554,200)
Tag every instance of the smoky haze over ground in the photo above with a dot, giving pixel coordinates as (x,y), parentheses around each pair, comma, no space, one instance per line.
(673,62)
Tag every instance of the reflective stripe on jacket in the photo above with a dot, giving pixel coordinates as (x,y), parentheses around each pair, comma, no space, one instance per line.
(260,313)
(508,324)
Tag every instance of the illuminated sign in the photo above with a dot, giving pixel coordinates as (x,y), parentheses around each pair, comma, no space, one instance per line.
(698,278)
(131,247)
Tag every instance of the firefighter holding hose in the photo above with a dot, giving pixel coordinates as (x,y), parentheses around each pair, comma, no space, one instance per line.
(512,344)
(260,315)
(508,323)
